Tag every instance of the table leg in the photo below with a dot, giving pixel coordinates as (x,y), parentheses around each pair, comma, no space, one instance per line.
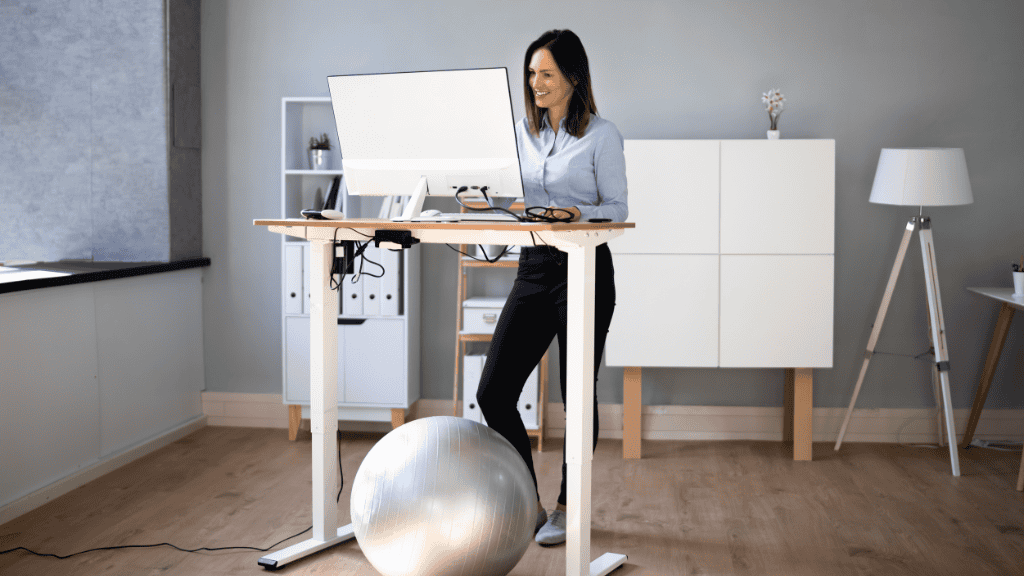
(631,407)
(323,412)
(995,349)
(579,432)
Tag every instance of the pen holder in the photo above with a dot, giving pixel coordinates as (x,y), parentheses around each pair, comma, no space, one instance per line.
(1018,284)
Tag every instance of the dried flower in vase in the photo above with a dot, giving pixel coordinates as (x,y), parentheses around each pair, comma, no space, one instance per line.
(322,144)
(774,103)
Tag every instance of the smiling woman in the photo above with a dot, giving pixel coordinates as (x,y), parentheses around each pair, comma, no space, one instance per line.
(572,162)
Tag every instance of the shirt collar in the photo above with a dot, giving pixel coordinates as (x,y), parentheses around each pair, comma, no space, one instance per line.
(545,124)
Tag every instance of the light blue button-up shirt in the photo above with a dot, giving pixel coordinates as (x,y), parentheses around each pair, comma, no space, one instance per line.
(562,170)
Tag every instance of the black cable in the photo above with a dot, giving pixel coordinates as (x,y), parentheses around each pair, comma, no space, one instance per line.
(530,214)
(341,481)
(363,259)
(485,258)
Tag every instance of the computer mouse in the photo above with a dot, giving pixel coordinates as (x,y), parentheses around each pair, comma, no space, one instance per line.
(332,214)
(430,213)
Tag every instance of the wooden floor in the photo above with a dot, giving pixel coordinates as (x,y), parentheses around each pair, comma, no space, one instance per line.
(735,507)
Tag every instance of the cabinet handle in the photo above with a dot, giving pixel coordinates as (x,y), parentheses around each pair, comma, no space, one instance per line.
(472,406)
(388,296)
(293,294)
(528,406)
(490,318)
(372,296)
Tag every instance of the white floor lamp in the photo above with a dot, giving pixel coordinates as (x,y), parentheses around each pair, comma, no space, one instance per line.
(920,177)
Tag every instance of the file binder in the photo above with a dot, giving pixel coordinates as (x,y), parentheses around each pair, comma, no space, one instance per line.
(473,370)
(371,284)
(293,292)
(390,297)
(351,297)
(474,365)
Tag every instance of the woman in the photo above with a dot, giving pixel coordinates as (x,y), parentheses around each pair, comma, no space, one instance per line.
(572,163)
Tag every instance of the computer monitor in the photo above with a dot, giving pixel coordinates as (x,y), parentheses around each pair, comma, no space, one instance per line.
(426,133)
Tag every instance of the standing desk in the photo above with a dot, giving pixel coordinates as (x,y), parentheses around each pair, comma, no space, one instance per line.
(576,239)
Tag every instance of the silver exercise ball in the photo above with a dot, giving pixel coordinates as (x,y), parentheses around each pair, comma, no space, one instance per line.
(443,496)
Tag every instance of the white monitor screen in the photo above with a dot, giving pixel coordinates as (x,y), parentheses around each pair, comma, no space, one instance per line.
(453,127)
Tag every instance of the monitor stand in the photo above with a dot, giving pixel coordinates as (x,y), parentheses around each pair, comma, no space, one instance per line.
(415,204)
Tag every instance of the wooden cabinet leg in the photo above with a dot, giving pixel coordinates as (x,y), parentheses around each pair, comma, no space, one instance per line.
(1020,475)
(787,406)
(294,419)
(631,424)
(397,417)
(803,425)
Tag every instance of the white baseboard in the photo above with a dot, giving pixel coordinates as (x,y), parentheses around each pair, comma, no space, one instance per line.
(107,464)
(887,425)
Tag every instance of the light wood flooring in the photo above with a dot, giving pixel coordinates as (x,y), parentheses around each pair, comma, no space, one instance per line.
(727,507)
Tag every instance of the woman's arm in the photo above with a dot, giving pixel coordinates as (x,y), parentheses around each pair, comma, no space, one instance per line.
(610,173)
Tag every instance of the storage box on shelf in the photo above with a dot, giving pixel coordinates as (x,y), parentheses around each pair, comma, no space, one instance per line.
(378,320)
(475,322)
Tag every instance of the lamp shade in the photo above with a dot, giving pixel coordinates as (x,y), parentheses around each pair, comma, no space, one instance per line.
(922,177)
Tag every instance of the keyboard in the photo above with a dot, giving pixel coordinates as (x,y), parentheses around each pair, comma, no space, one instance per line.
(467,217)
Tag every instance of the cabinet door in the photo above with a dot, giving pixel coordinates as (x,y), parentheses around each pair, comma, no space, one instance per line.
(296,360)
(673,197)
(666,311)
(374,360)
(777,311)
(778,197)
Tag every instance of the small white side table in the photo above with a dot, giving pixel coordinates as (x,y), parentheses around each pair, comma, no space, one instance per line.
(1010,303)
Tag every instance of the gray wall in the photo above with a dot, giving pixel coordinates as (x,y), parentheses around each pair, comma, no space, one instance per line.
(869,74)
(84,138)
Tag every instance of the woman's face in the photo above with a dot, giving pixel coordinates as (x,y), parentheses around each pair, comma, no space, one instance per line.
(550,88)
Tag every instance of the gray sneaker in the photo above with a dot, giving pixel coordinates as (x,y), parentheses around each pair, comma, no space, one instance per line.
(542,517)
(553,531)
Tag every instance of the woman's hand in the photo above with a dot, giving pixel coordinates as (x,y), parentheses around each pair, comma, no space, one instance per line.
(572,211)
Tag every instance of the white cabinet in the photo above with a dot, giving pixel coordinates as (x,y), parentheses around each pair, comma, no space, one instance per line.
(666,311)
(673,197)
(378,318)
(776,311)
(778,197)
(731,261)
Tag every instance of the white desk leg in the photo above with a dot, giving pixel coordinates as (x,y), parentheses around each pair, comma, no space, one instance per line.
(323,412)
(579,434)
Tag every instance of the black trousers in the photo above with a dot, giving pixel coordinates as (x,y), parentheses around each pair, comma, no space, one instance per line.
(534,314)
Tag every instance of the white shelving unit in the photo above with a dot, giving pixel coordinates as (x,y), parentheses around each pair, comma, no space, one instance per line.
(378,346)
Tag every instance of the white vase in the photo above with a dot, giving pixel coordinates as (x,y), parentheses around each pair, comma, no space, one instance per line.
(1018,284)
(773,134)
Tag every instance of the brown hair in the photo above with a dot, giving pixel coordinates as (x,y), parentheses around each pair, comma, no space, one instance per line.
(571,58)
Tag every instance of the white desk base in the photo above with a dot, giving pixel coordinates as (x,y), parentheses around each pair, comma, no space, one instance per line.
(578,241)
(277,559)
